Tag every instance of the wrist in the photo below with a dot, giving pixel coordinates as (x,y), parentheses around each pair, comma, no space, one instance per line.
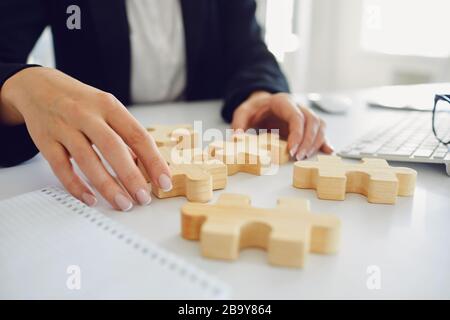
(259,95)
(12,98)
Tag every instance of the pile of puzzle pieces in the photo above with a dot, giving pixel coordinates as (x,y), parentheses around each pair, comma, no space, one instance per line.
(287,232)
(196,172)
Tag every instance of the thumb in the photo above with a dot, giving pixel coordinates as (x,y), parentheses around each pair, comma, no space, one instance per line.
(241,117)
(245,116)
(327,148)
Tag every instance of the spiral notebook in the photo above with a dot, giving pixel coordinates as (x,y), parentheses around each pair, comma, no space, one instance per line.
(54,246)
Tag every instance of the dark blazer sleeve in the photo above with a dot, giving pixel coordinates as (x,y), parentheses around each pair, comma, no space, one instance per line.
(21,23)
(250,65)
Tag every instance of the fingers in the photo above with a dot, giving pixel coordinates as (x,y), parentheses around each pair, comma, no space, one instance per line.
(306,130)
(286,109)
(143,145)
(91,165)
(312,129)
(59,161)
(319,140)
(249,110)
(133,155)
(296,133)
(241,117)
(117,154)
(327,148)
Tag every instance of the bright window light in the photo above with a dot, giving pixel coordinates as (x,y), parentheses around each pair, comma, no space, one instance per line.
(280,38)
(407,27)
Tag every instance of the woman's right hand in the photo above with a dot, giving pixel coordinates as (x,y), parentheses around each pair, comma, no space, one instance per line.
(65,118)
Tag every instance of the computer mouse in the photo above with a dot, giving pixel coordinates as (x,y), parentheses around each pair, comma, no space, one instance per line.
(330,102)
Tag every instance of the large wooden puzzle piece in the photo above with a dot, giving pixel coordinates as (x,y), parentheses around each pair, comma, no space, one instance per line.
(182,136)
(240,156)
(374,178)
(193,178)
(287,232)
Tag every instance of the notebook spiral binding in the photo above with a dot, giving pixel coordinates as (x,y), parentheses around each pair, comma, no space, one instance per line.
(155,253)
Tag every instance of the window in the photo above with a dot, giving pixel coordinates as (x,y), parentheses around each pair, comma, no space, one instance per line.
(279,27)
(407,27)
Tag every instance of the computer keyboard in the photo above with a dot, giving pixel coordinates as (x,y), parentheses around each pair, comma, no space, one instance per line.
(410,139)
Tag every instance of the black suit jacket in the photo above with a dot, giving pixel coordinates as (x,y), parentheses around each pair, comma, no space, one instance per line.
(225,55)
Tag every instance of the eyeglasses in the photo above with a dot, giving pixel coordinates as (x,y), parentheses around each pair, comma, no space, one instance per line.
(441,118)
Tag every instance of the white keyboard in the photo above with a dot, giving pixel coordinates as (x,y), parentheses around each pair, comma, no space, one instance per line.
(411,139)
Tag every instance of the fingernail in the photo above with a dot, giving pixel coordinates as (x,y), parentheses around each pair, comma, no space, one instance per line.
(89,199)
(164,182)
(310,153)
(123,202)
(293,150)
(143,197)
(300,155)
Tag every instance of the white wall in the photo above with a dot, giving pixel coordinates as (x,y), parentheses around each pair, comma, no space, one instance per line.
(336,60)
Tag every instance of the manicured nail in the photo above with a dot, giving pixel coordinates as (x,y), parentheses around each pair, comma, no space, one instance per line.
(123,202)
(309,154)
(165,183)
(143,197)
(293,150)
(300,155)
(89,199)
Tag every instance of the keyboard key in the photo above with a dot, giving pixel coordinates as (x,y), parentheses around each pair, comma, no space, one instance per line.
(423,153)
(351,154)
(439,155)
(370,149)
(386,152)
(401,153)
(407,149)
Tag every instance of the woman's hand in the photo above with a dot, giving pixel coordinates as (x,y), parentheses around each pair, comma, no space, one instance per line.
(304,130)
(65,118)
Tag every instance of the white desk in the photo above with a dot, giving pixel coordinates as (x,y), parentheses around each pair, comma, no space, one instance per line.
(409,241)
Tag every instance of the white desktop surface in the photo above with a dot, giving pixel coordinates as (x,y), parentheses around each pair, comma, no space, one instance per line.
(408,241)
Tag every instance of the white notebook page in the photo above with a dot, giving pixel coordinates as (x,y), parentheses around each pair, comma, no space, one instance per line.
(43,233)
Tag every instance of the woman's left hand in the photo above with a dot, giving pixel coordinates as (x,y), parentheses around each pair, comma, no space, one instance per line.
(304,130)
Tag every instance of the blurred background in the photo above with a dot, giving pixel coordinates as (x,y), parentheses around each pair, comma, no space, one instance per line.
(335,45)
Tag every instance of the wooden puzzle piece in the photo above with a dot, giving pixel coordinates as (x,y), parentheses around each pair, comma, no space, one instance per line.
(182,136)
(240,157)
(194,179)
(287,232)
(270,142)
(374,178)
